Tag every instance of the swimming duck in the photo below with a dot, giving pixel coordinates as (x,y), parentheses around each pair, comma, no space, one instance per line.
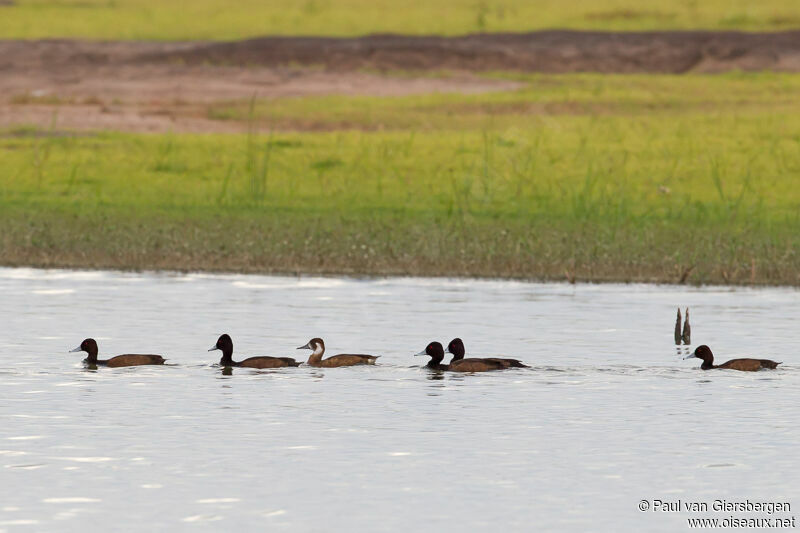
(435,351)
(225,344)
(746,365)
(318,346)
(456,347)
(130,359)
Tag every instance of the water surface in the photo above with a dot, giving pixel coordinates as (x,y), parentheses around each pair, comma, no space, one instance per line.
(608,415)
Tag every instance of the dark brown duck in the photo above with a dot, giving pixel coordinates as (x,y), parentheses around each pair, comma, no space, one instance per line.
(130,359)
(345,359)
(436,352)
(745,365)
(225,344)
(456,347)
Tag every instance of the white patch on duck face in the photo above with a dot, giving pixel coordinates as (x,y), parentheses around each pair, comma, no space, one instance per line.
(318,349)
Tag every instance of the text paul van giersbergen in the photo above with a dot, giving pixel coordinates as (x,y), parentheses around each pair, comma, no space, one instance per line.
(720,506)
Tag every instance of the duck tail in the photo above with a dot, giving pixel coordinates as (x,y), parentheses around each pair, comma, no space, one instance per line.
(687,329)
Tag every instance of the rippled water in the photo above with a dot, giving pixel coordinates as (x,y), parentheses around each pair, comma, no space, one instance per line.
(608,415)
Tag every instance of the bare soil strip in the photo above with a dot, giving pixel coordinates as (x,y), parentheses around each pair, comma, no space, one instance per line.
(545,51)
(159,87)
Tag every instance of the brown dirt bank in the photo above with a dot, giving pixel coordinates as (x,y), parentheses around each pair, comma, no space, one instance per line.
(544,51)
(162,86)
(76,85)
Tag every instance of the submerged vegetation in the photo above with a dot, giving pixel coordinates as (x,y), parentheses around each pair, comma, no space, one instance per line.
(221,20)
(623,178)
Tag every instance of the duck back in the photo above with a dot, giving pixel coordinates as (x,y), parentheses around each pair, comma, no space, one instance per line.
(748,365)
(508,363)
(133,359)
(476,365)
(267,362)
(346,360)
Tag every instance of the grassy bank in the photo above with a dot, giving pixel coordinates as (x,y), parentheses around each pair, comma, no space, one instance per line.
(217,19)
(592,177)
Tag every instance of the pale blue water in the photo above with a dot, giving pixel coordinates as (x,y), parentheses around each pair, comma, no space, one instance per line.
(608,415)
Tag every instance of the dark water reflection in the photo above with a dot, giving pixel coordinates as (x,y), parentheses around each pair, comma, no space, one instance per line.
(608,415)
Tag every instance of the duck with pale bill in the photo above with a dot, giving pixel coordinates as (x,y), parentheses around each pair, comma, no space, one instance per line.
(129,359)
(435,351)
(225,345)
(317,346)
(456,347)
(745,365)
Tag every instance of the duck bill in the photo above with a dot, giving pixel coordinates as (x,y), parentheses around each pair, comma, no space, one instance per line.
(305,347)
(447,350)
(420,353)
(78,349)
(688,356)
(213,348)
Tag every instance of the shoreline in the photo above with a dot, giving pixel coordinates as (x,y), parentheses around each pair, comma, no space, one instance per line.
(56,265)
(368,277)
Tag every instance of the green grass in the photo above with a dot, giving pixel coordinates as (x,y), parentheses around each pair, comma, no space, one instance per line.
(541,96)
(218,19)
(603,178)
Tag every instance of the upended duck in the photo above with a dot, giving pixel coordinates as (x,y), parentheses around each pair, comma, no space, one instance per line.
(745,365)
(436,352)
(456,347)
(345,359)
(225,344)
(129,359)
(684,335)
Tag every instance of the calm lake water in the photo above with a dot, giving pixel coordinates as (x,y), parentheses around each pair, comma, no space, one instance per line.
(609,414)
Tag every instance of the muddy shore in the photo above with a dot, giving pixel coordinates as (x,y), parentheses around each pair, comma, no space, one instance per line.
(167,86)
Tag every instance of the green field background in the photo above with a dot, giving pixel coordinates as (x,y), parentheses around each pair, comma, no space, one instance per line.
(223,20)
(601,177)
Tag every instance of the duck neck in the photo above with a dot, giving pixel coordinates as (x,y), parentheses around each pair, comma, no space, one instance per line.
(91,358)
(316,355)
(227,356)
(707,365)
(435,361)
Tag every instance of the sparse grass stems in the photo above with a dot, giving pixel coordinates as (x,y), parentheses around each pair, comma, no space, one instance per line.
(638,192)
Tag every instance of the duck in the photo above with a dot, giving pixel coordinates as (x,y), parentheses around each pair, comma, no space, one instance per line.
(436,352)
(225,344)
(130,359)
(346,359)
(745,365)
(686,336)
(456,347)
